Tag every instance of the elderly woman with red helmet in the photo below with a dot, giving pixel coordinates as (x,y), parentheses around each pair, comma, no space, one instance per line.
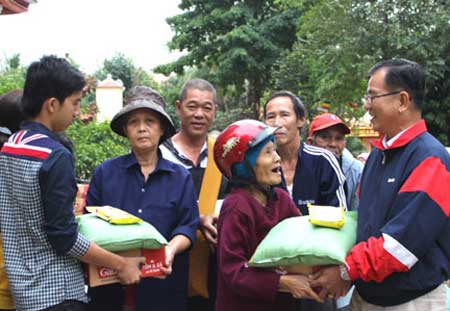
(246,154)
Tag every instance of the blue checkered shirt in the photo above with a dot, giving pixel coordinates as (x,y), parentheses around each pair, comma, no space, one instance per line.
(40,239)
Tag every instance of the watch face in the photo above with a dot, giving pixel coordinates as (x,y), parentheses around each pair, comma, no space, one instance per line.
(344,273)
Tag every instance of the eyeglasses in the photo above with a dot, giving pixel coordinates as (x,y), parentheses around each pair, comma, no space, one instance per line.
(369,98)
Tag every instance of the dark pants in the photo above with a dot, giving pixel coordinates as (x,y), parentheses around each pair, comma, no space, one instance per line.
(68,305)
(198,303)
(312,305)
(107,297)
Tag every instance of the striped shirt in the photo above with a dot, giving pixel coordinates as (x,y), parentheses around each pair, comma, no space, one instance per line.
(318,179)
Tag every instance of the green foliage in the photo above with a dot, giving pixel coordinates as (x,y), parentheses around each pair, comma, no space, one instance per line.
(123,68)
(12,74)
(338,41)
(355,145)
(120,67)
(223,119)
(13,62)
(94,143)
(239,41)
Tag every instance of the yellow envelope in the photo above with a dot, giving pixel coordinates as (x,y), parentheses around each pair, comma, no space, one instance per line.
(326,216)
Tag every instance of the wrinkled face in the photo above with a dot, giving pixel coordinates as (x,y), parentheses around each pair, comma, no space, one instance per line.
(383,110)
(143,129)
(332,139)
(196,112)
(65,113)
(268,166)
(280,113)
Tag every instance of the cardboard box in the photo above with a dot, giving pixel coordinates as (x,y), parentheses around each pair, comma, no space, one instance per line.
(155,258)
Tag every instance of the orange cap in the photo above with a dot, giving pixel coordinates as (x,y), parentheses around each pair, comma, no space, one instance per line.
(326,120)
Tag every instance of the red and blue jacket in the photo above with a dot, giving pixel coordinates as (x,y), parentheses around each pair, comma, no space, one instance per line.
(403,240)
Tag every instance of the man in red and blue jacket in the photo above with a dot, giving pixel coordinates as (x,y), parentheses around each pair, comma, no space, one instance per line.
(402,255)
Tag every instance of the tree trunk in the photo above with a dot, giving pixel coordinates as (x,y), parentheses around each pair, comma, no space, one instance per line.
(254,97)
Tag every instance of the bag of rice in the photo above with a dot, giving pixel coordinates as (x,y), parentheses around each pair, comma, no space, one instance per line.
(296,241)
(116,238)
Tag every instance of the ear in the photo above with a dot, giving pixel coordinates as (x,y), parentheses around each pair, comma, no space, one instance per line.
(300,122)
(309,140)
(405,102)
(216,108)
(50,105)
(177,107)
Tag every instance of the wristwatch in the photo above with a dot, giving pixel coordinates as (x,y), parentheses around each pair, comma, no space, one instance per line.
(344,273)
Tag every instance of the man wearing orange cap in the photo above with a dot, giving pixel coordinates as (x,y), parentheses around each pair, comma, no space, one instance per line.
(328,131)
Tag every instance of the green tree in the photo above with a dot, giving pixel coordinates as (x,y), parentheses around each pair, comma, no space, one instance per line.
(94,143)
(239,41)
(123,68)
(339,40)
(12,74)
(120,67)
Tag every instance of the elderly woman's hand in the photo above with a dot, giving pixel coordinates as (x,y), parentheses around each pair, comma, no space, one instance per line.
(177,244)
(166,269)
(298,285)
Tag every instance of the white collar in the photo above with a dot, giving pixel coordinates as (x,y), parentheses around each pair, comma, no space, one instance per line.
(390,142)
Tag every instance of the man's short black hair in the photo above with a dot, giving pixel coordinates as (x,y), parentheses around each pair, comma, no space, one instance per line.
(299,107)
(10,113)
(49,77)
(403,74)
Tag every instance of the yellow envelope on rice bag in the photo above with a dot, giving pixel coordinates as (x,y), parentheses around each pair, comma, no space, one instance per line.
(113,215)
(326,216)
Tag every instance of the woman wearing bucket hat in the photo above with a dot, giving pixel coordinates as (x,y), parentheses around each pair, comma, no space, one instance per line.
(154,189)
(246,154)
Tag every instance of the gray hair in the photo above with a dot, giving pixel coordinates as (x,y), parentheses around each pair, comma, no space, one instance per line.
(198,84)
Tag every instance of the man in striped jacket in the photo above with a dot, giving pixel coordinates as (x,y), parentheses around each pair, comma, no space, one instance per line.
(402,255)
(310,174)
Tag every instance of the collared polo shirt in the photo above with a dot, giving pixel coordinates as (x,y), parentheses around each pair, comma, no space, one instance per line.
(173,153)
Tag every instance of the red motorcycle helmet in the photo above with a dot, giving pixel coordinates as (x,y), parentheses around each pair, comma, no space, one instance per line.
(233,143)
